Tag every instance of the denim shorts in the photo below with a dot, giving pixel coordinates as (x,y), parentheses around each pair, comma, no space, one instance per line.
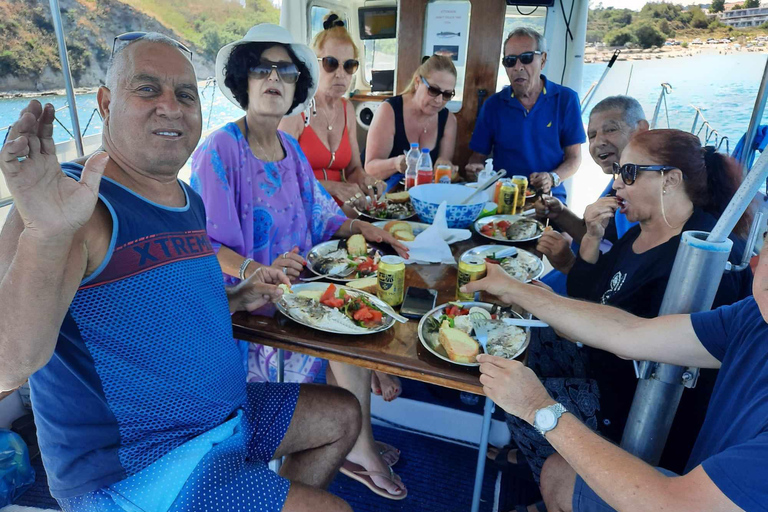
(586,500)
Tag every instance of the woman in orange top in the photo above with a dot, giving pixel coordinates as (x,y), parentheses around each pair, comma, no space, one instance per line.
(332,122)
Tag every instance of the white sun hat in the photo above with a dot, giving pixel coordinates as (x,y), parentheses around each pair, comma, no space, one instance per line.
(270,33)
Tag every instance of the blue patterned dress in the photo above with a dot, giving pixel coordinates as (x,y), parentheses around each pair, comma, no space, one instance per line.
(261,210)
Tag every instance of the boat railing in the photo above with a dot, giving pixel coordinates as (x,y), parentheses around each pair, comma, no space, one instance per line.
(710,133)
(665,90)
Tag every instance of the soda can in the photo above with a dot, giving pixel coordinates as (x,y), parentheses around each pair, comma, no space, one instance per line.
(443,173)
(471,268)
(508,198)
(522,186)
(391,281)
(496,190)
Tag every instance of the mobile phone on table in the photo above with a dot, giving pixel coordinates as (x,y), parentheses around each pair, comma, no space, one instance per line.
(418,302)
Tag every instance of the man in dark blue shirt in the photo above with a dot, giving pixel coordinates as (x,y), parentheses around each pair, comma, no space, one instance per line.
(728,468)
(532,127)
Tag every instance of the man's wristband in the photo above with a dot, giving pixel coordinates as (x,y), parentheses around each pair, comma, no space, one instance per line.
(555,179)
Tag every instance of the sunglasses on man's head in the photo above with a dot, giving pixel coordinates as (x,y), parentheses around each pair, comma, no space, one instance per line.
(435,92)
(286,71)
(510,61)
(133,36)
(331,64)
(628,172)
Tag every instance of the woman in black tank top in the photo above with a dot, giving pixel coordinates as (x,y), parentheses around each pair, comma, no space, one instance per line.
(418,115)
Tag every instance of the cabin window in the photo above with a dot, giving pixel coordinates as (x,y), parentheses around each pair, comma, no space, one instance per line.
(380,55)
(519,16)
(317,14)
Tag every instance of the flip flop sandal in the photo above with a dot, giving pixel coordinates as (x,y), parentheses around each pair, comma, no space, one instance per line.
(359,474)
(520,469)
(388,452)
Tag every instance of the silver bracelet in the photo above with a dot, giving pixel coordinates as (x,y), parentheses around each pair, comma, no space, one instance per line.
(352,224)
(244,267)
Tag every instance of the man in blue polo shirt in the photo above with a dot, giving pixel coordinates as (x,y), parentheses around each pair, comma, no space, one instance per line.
(533,127)
(728,468)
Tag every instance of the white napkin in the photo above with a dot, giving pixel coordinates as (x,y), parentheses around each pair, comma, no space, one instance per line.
(431,245)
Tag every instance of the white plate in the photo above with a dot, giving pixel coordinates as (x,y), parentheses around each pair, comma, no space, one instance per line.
(435,313)
(328,247)
(534,261)
(387,321)
(510,218)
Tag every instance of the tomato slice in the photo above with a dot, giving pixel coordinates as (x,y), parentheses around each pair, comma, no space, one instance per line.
(503,225)
(330,293)
(363,314)
(375,315)
(462,312)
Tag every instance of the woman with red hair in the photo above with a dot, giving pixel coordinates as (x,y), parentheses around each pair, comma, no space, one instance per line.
(668,184)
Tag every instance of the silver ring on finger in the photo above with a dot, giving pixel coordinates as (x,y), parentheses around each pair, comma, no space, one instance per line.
(21,158)
(285,270)
(285,255)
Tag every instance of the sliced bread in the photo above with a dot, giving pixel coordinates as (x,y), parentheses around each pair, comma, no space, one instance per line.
(397,225)
(459,346)
(356,246)
(405,236)
(366,284)
(398,197)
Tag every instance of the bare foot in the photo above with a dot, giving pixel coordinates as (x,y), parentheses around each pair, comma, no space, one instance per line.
(493,452)
(390,386)
(370,459)
(375,384)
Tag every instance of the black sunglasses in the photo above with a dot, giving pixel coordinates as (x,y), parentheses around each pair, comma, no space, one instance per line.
(133,36)
(286,71)
(435,92)
(628,172)
(509,61)
(331,64)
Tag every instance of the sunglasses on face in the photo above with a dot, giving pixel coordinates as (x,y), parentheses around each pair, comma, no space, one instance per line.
(331,64)
(286,71)
(628,172)
(510,61)
(134,36)
(435,92)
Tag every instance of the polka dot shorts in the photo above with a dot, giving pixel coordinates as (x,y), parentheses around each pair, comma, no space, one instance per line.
(233,475)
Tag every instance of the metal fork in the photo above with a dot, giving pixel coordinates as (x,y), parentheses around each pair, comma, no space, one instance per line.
(479,323)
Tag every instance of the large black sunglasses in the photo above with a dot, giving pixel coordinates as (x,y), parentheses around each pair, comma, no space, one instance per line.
(331,64)
(510,61)
(435,92)
(628,172)
(286,71)
(133,36)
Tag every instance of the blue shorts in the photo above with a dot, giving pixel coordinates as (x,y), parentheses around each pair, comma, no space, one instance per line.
(233,475)
(586,500)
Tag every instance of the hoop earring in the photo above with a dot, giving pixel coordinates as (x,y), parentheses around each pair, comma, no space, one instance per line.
(661,197)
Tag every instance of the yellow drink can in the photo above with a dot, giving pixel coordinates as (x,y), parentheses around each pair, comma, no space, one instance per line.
(391,280)
(508,198)
(471,268)
(522,186)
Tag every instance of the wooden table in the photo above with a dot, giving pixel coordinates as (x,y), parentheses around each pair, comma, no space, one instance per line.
(396,351)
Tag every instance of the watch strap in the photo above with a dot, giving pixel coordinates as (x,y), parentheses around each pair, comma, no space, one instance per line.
(555,179)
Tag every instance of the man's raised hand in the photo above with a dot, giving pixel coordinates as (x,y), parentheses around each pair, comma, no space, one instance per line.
(51,204)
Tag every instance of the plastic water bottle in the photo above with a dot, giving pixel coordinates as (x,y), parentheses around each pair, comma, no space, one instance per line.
(411,161)
(424,168)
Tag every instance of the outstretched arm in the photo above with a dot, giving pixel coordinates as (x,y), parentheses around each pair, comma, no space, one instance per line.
(43,246)
(621,479)
(668,339)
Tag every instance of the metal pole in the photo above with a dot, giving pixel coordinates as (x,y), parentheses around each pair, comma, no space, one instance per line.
(481,456)
(692,286)
(64,59)
(599,82)
(6,201)
(754,122)
(655,118)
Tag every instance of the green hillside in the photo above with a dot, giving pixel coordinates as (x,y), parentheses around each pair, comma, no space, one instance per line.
(656,22)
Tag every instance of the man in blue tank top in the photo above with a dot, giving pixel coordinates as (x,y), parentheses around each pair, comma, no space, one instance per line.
(612,122)
(532,127)
(112,305)
(728,468)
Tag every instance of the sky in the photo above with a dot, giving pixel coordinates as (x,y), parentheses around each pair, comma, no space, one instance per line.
(638,4)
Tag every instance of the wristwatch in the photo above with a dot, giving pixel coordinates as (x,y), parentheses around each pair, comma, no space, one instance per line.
(555,179)
(546,418)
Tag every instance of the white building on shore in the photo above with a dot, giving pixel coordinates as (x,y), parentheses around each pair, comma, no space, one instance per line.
(745,18)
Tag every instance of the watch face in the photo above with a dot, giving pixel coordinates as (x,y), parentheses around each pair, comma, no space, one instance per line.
(545,419)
